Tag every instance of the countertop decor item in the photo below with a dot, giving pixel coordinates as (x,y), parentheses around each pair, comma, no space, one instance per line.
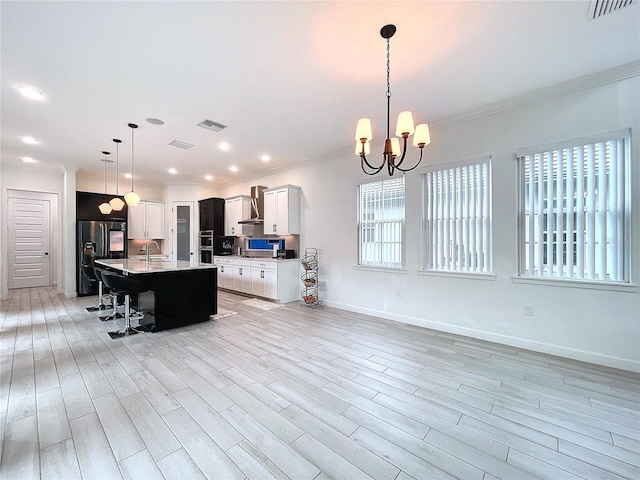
(404,129)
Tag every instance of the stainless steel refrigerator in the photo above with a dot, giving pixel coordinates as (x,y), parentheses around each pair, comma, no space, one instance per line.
(108,240)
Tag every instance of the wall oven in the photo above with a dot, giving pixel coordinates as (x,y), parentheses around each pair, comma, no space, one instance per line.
(211,245)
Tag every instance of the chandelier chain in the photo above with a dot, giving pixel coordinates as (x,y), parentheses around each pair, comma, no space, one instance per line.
(388,69)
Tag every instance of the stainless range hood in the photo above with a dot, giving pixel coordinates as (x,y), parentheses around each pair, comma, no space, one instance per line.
(257,206)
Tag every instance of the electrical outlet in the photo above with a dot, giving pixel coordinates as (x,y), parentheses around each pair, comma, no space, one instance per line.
(528,310)
(320,252)
(398,294)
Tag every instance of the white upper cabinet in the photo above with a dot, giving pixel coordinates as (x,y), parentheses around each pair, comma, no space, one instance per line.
(282,210)
(146,221)
(236,209)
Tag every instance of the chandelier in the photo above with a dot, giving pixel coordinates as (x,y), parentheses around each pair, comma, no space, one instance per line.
(404,129)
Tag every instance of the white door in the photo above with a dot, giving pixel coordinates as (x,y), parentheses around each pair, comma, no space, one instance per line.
(183,235)
(29,240)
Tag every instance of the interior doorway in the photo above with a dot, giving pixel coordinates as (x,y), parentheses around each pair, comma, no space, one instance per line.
(30,221)
(182,231)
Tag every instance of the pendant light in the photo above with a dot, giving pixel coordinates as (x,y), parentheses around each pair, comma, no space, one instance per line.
(104,207)
(132,198)
(116,202)
(405,128)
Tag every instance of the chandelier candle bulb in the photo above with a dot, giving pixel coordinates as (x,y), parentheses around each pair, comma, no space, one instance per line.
(395,147)
(367,147)
(422,136)
(363,130)
(405,124)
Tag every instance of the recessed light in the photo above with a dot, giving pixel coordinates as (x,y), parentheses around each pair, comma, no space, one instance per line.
(224,146)
(28,160)
(30,92)
(128,175)
(30,140)
(265,158)
(155,121)
(208,177)
(233,168)
(172,171)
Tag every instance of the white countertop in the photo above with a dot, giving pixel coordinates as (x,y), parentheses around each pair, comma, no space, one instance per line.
(137,265)
(258,258)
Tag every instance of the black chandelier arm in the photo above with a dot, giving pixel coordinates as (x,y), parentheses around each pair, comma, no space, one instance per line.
(404,152)
(364,157)
(409,169)
(363,161)
(391,167)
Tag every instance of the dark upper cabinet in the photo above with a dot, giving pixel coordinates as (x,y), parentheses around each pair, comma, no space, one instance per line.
(212,215)
(87,204)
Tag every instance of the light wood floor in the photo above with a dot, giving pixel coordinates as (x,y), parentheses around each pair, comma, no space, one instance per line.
(297,393)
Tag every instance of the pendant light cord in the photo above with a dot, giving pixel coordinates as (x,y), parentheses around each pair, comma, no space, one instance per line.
(117,167)
(132,158)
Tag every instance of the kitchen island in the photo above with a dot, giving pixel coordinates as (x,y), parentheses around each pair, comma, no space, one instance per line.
(183,292)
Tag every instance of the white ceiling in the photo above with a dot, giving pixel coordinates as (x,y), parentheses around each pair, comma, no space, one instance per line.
(288,78)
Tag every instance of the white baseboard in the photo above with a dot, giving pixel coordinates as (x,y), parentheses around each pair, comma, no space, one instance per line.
(557,350)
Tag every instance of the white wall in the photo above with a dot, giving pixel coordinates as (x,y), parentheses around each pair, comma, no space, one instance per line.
(592,325)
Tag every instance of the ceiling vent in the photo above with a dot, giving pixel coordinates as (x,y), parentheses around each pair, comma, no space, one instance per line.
(211,125)
(598,8)
(181,144)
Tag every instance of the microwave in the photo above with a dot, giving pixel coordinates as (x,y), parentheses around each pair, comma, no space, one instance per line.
(223,245)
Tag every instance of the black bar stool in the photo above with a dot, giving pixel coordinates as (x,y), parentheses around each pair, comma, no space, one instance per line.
(128,287)
(89,269)
(113,299)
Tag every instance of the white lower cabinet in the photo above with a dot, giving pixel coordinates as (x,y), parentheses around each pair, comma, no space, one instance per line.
(225,272)
(273,279)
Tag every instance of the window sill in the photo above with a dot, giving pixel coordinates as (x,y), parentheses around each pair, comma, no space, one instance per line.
(588,284)
(470,275)
(381,269)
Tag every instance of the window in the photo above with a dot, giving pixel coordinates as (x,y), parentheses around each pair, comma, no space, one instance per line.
(573,209)
(457,217)
(381,223)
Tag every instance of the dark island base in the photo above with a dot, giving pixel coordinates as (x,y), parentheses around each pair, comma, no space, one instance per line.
(181,298)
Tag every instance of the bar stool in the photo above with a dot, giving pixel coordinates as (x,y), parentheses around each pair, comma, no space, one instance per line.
(128,287)
(89,270)
(112,296)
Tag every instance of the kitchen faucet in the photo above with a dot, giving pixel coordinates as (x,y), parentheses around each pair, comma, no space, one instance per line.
(157,246)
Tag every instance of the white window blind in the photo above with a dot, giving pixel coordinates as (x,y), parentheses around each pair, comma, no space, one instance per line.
(381,223)
(573,210)
(458,217)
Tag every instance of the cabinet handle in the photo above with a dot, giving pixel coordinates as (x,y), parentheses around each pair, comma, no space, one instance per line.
(274,228)
(261,273)
(240,269)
